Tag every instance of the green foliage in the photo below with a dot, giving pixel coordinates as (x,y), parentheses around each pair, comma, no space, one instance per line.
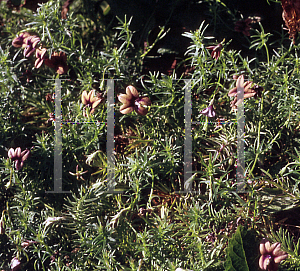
(242,250)
(147,222)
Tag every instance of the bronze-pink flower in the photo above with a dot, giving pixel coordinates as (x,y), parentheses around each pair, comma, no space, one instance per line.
(209,112)
(27,243)
(243,26)
(18,156)
(40,55)
(271,255)
(52,117)
(216,50)
(15,264)
(90,100)
(250,90)
(30,44)
(131,101)
(78,173)
(58,62)
(20,40)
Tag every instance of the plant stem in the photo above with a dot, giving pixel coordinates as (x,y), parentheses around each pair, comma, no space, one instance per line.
(258,136)
(267,51)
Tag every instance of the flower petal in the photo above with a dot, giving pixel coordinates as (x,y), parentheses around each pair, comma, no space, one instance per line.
(61,69)
(15,264)
(240,83)
(91,95)
(124,98)
(84,97)
(96,103)
(247,86)
(18,152)
(94,99)
(144,101)
(262,248)
(270,247)
(19,164)
(261,262)
(38,63)
(25,154)
(141,110)
(29,50)
(211,113)
(249,95)
(17,42)
(126,110)
(232,92)
(233,102)
(133,91)
(35,41)
(128,92)
(204,111)
(40,53)
(277,251)
(50,63)
(278,259)
(264,261)
(212,47)
(11,153)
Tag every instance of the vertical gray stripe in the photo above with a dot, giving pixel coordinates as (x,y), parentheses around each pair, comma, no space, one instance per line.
(188,137)
(58,140)
(110,142)
(240,170)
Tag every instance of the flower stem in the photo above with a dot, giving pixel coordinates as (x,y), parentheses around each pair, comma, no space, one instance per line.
(258,136)
(267,51)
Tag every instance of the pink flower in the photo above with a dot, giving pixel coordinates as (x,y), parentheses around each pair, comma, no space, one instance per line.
(40,55)
(30,44)
(27,243)
(52,117)
(131,101)
(58,62)
(216,51)
(243,26)
(79,173)
(90,100)
(250,90)
(19,40)
(18,156)
(15,264)
(271,255)
(209,111)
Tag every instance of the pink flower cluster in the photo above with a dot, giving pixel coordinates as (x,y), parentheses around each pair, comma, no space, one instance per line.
(90,100)
(271,255)
(133,102)
(26,41)
(18,157)
(58,61)
(216,51)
